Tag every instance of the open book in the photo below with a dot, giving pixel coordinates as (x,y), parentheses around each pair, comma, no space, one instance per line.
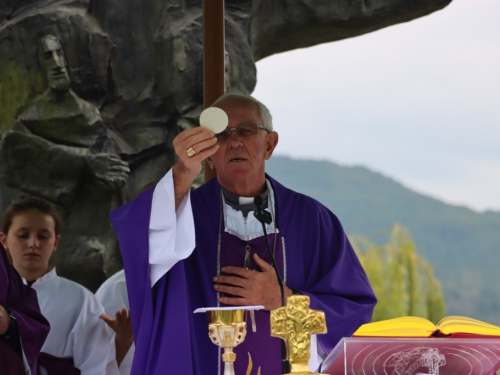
(412,326)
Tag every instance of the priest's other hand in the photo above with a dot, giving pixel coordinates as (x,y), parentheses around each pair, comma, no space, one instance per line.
(249,287)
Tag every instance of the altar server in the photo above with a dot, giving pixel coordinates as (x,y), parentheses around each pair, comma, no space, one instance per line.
(30,233)
(185,249)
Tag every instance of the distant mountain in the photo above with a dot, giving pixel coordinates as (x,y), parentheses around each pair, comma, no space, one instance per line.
(462,245)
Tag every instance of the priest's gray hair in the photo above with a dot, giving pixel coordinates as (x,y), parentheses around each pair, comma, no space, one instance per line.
(264,111)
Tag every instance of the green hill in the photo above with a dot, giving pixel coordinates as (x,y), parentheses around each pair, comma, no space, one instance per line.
(462,245)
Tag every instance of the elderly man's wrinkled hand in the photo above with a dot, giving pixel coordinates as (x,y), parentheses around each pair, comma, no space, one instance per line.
(192,146)
(250,288)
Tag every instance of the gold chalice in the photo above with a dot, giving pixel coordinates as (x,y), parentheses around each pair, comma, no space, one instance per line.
(227,329)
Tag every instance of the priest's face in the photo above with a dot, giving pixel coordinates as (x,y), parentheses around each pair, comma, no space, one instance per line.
(31,241)
(240,162)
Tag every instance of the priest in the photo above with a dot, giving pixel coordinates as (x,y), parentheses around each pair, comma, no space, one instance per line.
(186,249)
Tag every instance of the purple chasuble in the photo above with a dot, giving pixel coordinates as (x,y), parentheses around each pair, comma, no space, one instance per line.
(264,349)
(22,301)
(320,262)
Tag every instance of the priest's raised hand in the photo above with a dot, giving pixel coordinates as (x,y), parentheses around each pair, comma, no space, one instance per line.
(249,288)
(192,146)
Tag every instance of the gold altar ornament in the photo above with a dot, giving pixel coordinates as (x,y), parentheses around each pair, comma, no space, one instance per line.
(295,323)
(227,329)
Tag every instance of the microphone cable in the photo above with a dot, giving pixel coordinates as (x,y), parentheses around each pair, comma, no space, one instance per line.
(265,218)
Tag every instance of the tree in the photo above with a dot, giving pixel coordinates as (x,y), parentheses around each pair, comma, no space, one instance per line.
(403,282)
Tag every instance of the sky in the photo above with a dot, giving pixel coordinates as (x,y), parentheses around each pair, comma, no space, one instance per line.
(418,102)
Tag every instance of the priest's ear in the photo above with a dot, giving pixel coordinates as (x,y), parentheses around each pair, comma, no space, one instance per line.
(271,143)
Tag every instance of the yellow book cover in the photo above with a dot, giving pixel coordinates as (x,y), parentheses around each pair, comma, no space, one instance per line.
(412,326)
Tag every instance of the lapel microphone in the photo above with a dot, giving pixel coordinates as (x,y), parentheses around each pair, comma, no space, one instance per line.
(265,218)
(260,214)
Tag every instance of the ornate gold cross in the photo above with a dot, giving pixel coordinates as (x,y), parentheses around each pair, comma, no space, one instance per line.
(295,323)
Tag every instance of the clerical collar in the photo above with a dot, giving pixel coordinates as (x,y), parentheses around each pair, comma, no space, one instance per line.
(243,204)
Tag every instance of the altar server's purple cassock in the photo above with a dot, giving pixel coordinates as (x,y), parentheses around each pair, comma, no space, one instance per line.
(32,328)
(171,257)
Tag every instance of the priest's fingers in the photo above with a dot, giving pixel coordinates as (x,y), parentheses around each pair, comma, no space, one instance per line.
(232,280)
(197,139)
(235,301)
(234,290)
(193,133)
(191,165)
(264,266)
(198,147)
(242,272)
(203,154)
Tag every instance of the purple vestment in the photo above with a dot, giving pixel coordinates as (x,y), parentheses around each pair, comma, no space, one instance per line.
(22,301)
(318,260)
(233,254)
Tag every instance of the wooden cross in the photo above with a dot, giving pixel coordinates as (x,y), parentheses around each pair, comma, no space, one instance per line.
(295,323)
(213,57)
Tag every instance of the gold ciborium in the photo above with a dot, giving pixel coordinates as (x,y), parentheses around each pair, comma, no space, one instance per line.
(227,329)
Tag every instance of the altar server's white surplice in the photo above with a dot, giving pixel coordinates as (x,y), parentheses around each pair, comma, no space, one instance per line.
(75,328)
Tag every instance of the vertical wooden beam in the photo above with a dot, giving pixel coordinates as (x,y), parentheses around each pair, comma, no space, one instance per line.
(213,57)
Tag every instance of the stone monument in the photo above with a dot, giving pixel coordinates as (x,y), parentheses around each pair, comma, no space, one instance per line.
(60,150)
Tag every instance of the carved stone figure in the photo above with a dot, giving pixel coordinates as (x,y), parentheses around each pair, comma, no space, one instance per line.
(60,150)
(136,76)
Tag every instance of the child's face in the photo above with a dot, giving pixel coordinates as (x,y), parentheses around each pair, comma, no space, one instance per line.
(31,241)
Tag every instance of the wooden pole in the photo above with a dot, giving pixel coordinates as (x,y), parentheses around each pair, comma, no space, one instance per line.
(213,57)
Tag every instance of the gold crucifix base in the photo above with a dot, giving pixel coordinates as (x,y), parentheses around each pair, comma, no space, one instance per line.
(295,323)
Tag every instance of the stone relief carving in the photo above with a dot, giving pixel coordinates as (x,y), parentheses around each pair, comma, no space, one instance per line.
(59,150)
